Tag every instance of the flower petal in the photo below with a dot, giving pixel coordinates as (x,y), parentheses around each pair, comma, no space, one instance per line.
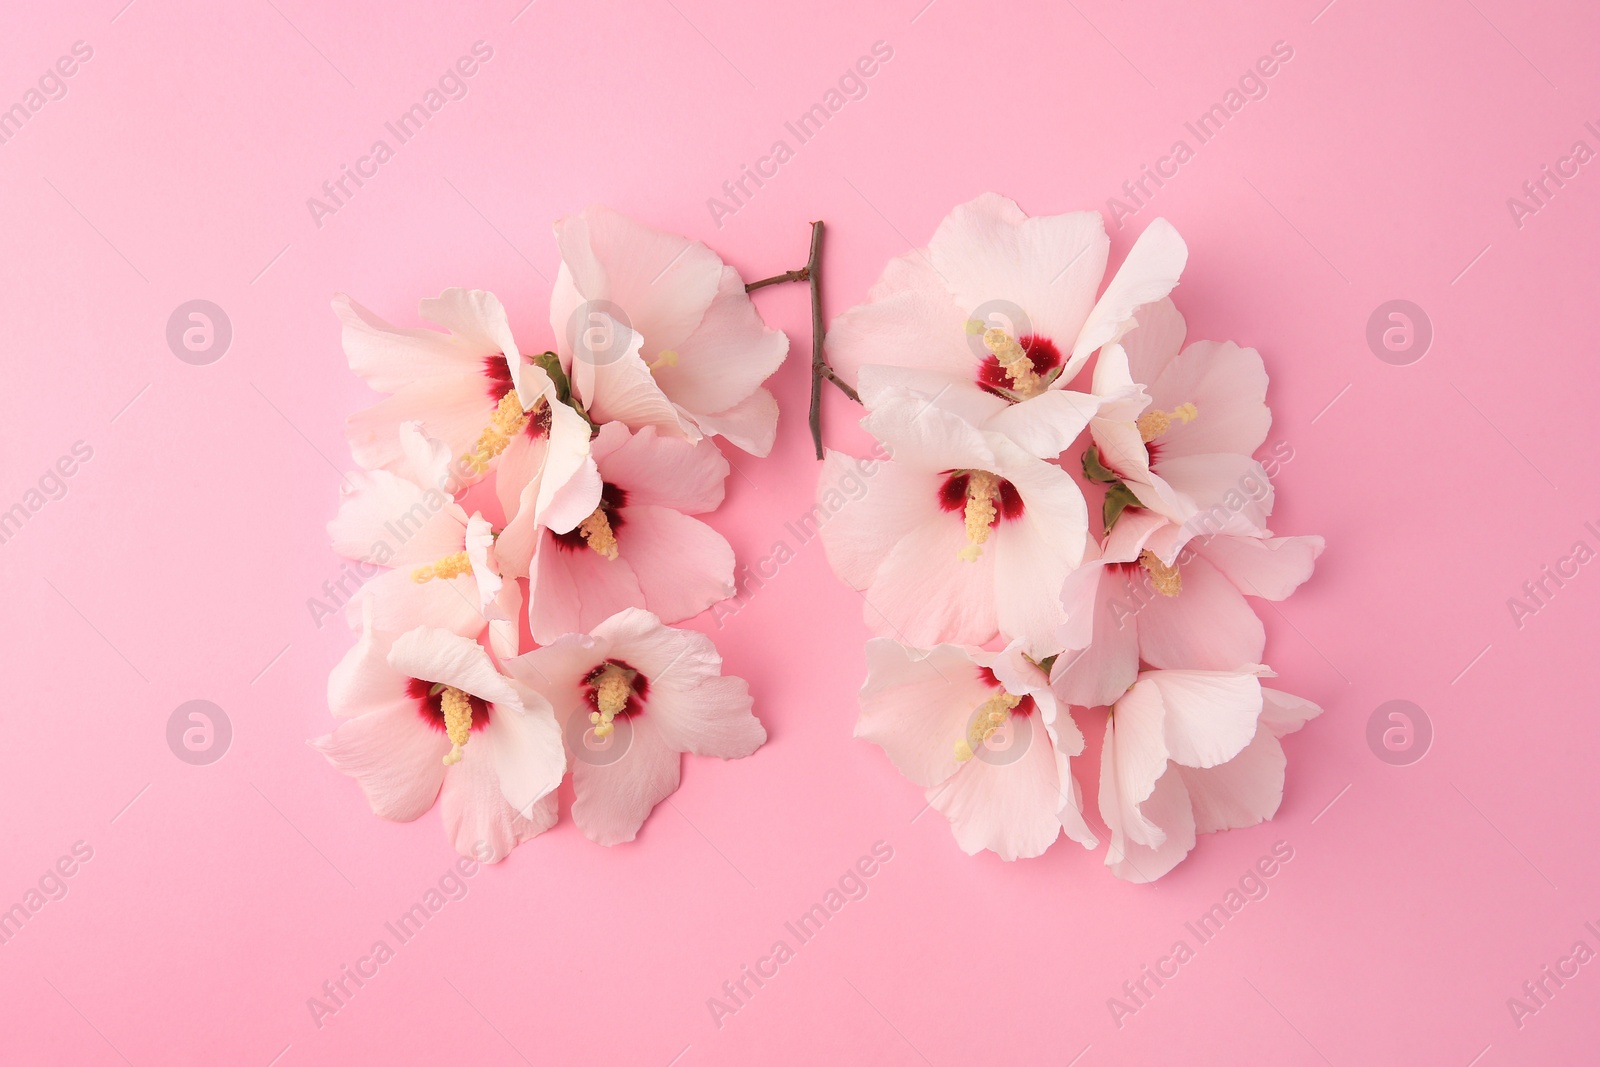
(688,476)
(1210,715)
(1007,808)
(1148,274)
(916,704)
(396,758)
(1241,792)
(681,565)
(614,799)
(1207,626)
(478,821)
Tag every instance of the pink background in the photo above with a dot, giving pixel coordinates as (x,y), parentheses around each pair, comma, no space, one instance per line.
(179,564)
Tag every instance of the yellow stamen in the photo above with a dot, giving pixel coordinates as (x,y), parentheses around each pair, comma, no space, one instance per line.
(1152,424)
(982,490)
(452,566)
(1164,577)
(990,716)
(507,421)
(611,692)
(596,530)
(457,709)
(669,358)
(1014,358)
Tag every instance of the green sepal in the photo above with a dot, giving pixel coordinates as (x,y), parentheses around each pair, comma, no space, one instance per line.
(1118,499)
(1096,471)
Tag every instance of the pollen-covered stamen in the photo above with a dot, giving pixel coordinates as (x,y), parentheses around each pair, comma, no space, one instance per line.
(1164,577)
(1152,424)
(1014,359)
(596,530)
(457,708)
(507,421)
(451,566)
(983,489)
(612,688)
(669,358)
(989,717)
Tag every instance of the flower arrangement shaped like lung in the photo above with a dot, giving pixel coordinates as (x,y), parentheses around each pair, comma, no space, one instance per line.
(1017,391)
(553,494)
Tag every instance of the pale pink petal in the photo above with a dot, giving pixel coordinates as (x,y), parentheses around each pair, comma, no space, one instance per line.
(1283,713)
(394,755)
(882,502)
(1148,274)
(1210,715)
(529,759)
(398,603)
(478,820)
(681,565)
(386,520)
(727,356)
(572,589)
(1269,567)
(618,385)
(505,627)
(1048,424)
(1207,626)
(1227,493)
(1029,570)
(751,424)
(1241,792)
(614,799)
(1008,808)
(911,321)
(1133,758)
(363,681)
(924,594)
(1049,266)
(917,704)
(438,656)
(696,707)
(664,283)
(477,318)
(687,476)
(1228,387)
(388,357)
(1102,645)
(452,410)
(1155,341)
(1168,805)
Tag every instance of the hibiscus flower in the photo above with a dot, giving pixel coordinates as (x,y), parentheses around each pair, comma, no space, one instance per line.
(962,535)
(634,695)
(981,732)
(443,567)
(655,330)
(1185,451)
(471,388)
(1185,752)
(638,547)
(999,314)
(427,716)
(1157,595)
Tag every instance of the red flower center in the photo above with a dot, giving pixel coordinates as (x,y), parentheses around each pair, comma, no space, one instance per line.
(953,495)
(1042,353)
(430,705)
(498,373)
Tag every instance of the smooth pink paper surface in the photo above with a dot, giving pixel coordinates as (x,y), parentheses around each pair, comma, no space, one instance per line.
(179,561)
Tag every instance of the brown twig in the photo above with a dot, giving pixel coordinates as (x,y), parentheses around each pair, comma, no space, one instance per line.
(820,370)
